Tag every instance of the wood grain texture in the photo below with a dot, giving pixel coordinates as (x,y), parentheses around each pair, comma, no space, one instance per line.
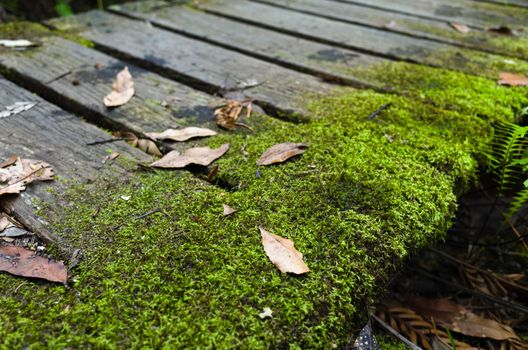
(78,78)
(479,14)
(405,24)
(326,61)
(197,63)
(358,37)
(48,133)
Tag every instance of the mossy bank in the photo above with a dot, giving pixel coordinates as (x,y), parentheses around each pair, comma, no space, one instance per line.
(366,194)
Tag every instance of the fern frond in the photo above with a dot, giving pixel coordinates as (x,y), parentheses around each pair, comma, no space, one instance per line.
(517,202)
(507,147)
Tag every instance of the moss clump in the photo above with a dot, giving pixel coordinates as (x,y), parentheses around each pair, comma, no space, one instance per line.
(449,90)
(363,196)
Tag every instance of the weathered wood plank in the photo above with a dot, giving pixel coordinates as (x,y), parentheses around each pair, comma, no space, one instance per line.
(373,40)
(407,24)
(78,78)
(328,62)
(48,133)
(478,14)
(199,63)
(519,3)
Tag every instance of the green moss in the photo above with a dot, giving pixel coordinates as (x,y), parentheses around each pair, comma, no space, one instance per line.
(35,32)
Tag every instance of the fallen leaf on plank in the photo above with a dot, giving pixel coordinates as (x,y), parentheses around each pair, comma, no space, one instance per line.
(181,134)
(227,115)
(228,210)
(17,43)
(149,147)
(9,161)
(281,152)
(15,177)
(504,30)
(122,90)
(198,155)
(127,136)
(459,27)
(17,108)
(23,262)
(511,79)
(282,253)
(111,157)
(4,222)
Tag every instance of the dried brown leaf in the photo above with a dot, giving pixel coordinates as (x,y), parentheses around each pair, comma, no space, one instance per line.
(227,115)
(459,27)
(281,152)
(122,89)
(4,222)
(23,262)
(504,30)
(9,161)
(181,134)
(126,135)
(198,155)
(511,79)
(15,177)
(149,147)
(282,253)
(228,210)
(458,319)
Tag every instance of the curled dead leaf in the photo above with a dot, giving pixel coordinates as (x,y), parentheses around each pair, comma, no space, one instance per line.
(198,155)
(181,134)
(111,157)
(228,210)
(511,79)
(23,262)
(282,253)
(128,136)
(15,177)
(503,30)
(122,89)
(459,27)
(9,161)
(149,147)
(281,152)
(227,115)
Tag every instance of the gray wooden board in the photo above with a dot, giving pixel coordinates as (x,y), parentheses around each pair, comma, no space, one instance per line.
(53,68)
(469,12)
(401,23)
(196,61)
(45,132)
(353,36)
(324,60)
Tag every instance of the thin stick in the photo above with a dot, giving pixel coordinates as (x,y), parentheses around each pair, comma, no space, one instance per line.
(379,110)
(395,333)
(104,141)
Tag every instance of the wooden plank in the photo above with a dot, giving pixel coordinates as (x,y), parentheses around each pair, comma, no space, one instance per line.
(407,24)
(478,14)
(78,78)
(328,62)
(45,132)
(359,37)
(519,3)
(279,91)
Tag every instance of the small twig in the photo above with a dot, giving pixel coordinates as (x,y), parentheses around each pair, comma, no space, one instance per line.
(395,333)
(379,110)
(142,216)
(105,141)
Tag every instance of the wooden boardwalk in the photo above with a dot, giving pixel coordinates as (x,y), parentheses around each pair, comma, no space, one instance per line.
(275,52)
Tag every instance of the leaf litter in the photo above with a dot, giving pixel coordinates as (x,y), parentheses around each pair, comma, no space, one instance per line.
(227,115)
(282,253)
(197,155)
(182,134)
(15,177)
(17,108)
(122,89)
(511,79)
(17,43)
(459,27)
(23,262)
(281,152)
(228,210)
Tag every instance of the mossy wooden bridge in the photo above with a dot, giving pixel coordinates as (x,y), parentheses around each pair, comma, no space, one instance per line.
(365,195)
